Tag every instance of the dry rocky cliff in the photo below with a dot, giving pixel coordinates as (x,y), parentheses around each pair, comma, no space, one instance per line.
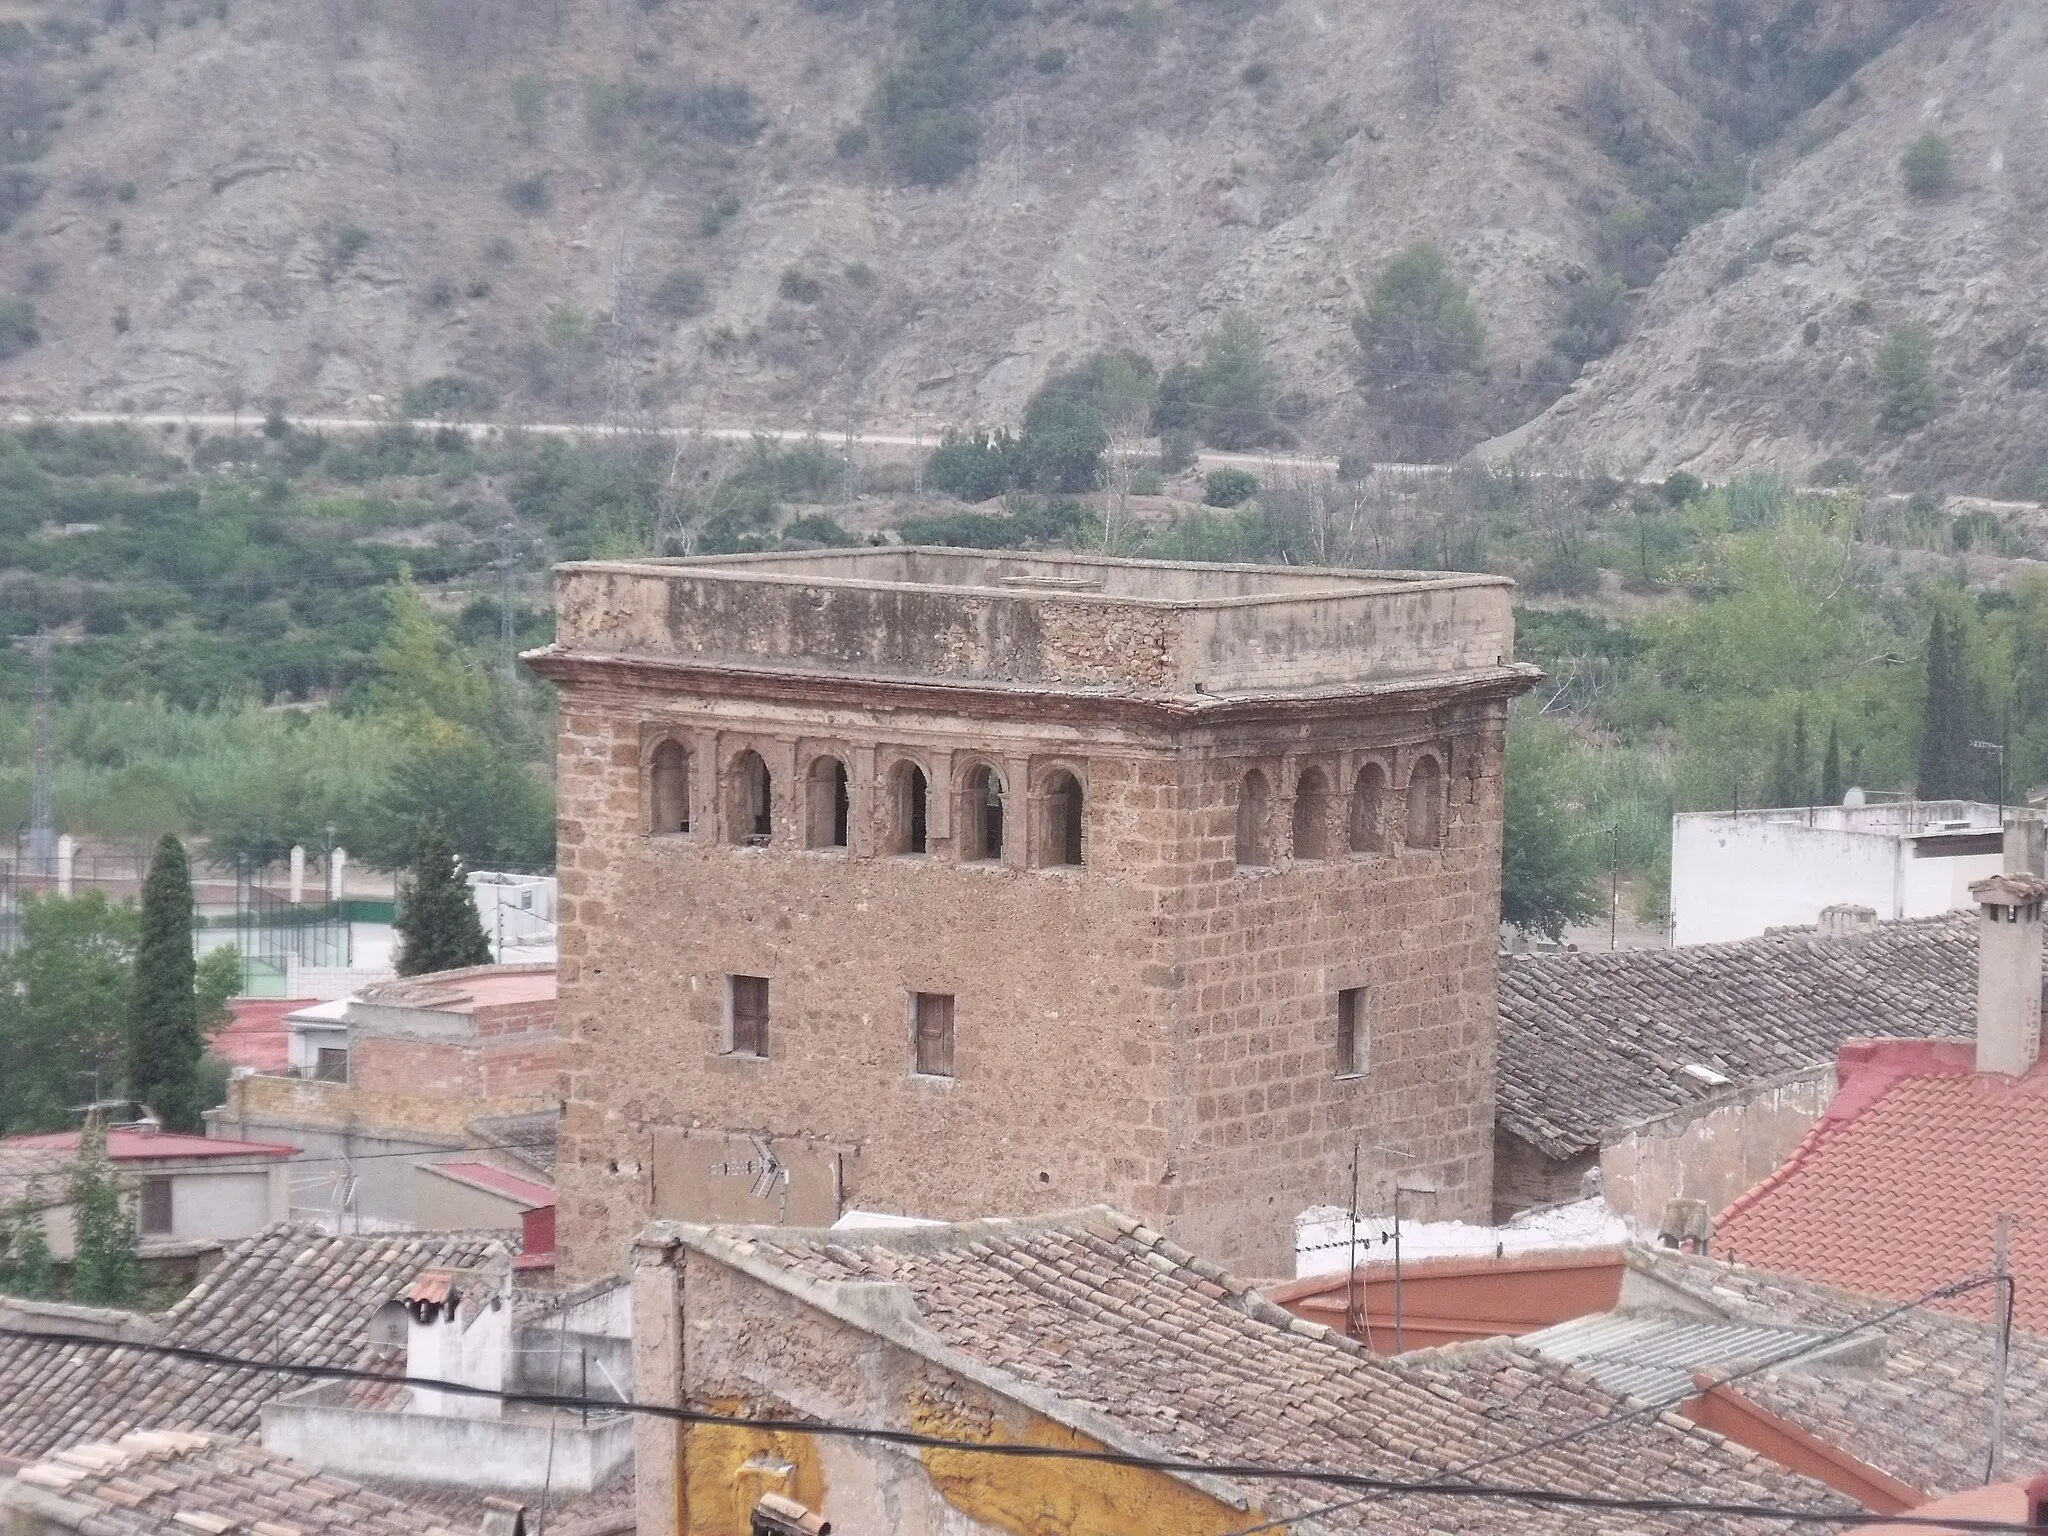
(331,202)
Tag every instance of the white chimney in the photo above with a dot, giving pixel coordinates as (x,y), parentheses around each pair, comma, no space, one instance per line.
(2009,972)
(459,1329)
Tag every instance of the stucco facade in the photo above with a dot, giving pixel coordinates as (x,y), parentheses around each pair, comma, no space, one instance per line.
(1227,796)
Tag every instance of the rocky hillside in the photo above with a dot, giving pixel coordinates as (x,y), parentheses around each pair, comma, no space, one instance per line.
(906,213)
(1765,341)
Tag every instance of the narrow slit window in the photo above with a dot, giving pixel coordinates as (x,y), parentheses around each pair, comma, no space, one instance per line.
(828,805)
(752,819)
(747,1001)
(981,817)
(1354,1033)
(1368,810)
(1253,799)
(1063,807)
(1312,815)
(932,1015)
(909,796)
(156,1207)
(669,785)
(1425,804)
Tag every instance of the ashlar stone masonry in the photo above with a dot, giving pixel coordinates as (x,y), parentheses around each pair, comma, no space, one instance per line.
(954,884)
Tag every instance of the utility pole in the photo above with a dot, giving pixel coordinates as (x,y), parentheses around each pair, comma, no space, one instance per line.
(2001,1243)
(1354,1314)
(1613,882)
(42,813)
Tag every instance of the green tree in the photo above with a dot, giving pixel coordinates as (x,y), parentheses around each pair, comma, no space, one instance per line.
(1550,869)
(1928,166)
(437,920)
(1905,375)
(492,809)
(1946,770)
(106,1271)
(422,675)
(1831,786)
(216,982)
(66,990)
(164,1040)
(1784,789)
(1227,399)
(26,1265)
(1422,352)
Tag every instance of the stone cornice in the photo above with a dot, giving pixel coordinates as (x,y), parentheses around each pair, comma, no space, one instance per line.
(666,676)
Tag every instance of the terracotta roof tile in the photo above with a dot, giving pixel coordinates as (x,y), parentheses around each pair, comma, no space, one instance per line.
(289,1292)
(1895,1191)
(1592,1042)
(1235,1378)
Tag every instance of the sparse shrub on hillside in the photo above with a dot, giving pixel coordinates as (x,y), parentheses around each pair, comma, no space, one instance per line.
(440,292)
(724,111)
(1839,470)
(276,424)
(529,94)
(19,189)
(1229,488)
(1905,374)
(1256,73)
(799,287)
(1861,312)
(2030,368)
(1595,320)
(1026,523)
(1177,447)
(1810,332)
(18,328)
(1051,62)
(1147,482)
(852,142)
(121,320)
(450,396)
(1226,400)
(860,274)
(923,108)
(531,194)
(816,529)
(342,247)
(126,192)
(1422,354)
(1928,166)
(718,213)
(681,294)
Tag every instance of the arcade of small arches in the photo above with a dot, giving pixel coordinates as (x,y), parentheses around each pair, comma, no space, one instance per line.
(902,820)
(1328,818)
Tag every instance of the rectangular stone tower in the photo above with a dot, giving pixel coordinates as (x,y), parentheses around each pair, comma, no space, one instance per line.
(953,884)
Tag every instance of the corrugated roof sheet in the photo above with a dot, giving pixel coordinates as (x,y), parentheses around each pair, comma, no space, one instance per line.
(1652,1359)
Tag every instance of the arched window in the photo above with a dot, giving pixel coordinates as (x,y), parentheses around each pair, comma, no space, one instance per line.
(1060,842)
(981,815)
(750,805)
(1312,815)
(827,803)
(1253,801)
(1425,804)
(909,794)
(1369,810)
(668,785)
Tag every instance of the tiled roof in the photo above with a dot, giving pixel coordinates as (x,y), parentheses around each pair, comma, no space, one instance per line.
(290,1293)
(528,1138)
(158,1483)
(1163,1353)
(1897,1188)
(1917,1406)
(1596,1041)
(131,1146)
(255,1035)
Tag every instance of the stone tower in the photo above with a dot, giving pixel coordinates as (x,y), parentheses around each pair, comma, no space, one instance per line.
(955,884)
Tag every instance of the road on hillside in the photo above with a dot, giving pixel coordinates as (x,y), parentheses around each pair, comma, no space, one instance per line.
(223,422)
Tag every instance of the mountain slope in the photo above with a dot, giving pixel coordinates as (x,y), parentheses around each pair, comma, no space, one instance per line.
(1760,343)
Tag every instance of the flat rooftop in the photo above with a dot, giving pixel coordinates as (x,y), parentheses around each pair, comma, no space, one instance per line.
(1038,620)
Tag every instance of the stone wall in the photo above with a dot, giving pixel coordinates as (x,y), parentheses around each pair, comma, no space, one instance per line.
(1715,1153)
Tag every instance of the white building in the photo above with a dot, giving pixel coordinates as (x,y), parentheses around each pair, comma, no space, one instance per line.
(518,914)
(1735,874)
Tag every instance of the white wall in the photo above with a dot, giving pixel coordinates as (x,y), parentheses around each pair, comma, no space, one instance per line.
(1732,877)
(208,1206)
(493,1455)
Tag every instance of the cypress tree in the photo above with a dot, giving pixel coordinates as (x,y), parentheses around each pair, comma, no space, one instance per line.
(107,1271)
(1831,786)
(438,923)
(1802,776)
(1944,717)
(165,1043)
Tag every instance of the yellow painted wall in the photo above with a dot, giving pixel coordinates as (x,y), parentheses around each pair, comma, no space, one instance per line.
(1046,1497)
(726,1469)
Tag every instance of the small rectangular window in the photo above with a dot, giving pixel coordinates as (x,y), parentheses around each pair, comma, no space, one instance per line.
(934,1034)
(156,1206)
(748,998)
(1354,1033)
(331,1065)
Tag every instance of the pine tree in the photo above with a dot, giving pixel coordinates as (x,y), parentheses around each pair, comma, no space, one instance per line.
(107,1271)
(1831,786)
(438,921)
(164,1038)
(1944,718)
(1802,775)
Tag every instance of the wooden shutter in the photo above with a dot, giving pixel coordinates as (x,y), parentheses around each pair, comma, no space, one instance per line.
(935,1034)
(750,1015)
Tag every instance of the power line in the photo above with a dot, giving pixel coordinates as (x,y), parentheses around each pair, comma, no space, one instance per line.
(1013,1450)
(1662,1405)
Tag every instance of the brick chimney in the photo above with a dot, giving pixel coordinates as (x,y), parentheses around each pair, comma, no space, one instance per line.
(2009,971)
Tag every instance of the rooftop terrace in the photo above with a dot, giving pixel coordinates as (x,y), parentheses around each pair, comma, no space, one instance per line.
(1063,621)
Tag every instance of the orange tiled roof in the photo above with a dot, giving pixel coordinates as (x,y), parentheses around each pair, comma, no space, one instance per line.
(1897,1188)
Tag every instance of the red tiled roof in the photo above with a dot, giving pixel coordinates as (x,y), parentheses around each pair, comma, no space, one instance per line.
(496,1181)
(1896,1190)
(255,1036)
(128,1146)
